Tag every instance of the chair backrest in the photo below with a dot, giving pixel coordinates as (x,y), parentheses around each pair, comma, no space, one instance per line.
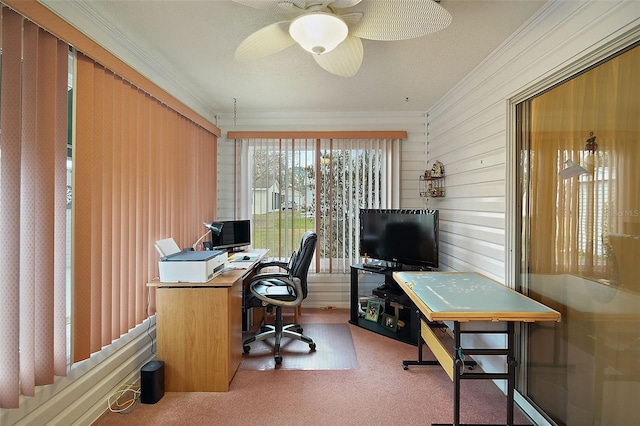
(300,265)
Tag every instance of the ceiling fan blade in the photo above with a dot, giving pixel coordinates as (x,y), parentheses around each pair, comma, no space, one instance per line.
(400,19)
(344,60)
(267,41)
(340,4)
(351,18)
(276,6)
(258,4)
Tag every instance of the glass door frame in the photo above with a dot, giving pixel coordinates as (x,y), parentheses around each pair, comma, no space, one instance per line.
(518,125)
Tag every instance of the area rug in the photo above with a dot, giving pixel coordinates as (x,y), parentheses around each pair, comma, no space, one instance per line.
(334,351)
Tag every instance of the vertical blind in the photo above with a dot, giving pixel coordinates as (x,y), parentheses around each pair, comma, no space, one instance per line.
(319,183)
(33,141)
(141,173)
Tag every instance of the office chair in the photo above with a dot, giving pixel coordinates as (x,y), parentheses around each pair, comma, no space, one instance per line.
(286,288)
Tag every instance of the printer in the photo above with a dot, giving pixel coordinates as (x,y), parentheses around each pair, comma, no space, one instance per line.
(190,266)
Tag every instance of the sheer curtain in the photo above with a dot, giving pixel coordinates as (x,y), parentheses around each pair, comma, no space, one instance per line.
(315,181)
(572,217)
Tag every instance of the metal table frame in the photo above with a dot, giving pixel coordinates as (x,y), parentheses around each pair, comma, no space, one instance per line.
(459,313)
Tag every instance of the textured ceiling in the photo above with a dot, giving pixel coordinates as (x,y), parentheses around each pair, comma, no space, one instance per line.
(187,47)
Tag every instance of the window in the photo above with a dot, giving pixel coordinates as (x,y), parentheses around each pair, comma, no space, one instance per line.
(69,200)
(320,184)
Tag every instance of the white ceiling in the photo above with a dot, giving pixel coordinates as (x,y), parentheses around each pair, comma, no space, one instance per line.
(187,47)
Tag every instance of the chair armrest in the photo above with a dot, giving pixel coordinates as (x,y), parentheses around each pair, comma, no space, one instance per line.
(268,275)
(286,281)
(272,263)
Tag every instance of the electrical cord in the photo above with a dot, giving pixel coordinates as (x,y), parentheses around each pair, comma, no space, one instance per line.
(153,352)
(461,357)
(125,400)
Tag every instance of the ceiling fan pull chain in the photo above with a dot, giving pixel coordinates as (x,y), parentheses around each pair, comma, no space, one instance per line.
(235,112)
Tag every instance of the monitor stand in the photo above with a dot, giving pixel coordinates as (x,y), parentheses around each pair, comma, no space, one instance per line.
(236,249)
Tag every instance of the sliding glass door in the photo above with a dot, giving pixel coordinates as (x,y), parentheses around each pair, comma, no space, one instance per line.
(579,147)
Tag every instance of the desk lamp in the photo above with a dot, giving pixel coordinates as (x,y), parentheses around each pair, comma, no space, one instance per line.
(214,227)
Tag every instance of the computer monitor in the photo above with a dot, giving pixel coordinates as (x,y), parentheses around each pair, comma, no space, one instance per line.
(234,235)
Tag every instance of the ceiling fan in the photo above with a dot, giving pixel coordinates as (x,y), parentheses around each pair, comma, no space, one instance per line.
(331,30)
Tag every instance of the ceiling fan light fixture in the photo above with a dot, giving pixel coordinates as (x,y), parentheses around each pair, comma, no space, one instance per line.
(318,32)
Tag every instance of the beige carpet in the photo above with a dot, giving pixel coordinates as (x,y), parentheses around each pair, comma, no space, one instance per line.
(377,393)
(334,351)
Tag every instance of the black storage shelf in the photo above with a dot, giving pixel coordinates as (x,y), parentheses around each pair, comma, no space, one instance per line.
(403,334)
(408,314)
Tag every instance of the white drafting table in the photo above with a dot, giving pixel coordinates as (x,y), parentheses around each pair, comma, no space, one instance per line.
(463,297)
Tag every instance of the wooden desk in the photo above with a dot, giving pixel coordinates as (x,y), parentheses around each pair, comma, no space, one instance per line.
(199,330)
(463,297)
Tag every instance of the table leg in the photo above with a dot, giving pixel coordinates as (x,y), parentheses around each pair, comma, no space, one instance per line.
(420,361)
(457,365)
(354,296)
(511,366)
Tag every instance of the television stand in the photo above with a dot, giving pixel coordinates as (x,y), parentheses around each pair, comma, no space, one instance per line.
(374,267)
(396,303)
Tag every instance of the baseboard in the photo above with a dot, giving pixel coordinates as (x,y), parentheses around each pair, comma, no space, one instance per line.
(328,290)
(81,397)
(534,415)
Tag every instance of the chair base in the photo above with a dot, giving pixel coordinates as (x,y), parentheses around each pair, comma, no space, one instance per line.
(277,332)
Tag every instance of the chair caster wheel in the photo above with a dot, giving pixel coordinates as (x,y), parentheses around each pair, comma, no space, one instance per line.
(246,349)
(405,367)
(312,346)
(278,360)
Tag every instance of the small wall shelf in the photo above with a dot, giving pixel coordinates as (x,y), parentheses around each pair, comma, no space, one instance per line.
(432,182)
(431,187)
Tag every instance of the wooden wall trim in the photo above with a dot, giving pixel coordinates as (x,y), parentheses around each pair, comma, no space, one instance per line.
(45,18)
(382,134)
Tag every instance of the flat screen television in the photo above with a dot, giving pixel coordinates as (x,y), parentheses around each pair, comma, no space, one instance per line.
(400,236)
(234,235)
